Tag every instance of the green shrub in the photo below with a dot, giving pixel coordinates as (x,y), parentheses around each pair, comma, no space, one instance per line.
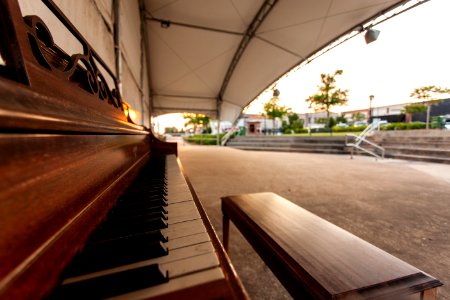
(416,125)
(349,129)
(207,130)
(404,126)
(394,126)
(438,122)
(205,139)
(301,130)
(297,130)
(315,130)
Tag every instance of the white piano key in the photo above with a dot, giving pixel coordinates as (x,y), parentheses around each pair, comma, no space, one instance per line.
(178,230)
(188,240)
(182,212)
(187,266)
(176,284)
(175,255)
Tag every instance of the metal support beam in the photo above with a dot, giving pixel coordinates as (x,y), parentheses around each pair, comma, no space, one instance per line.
(218,111)
(168,23)
(183,109)
(147,59)
(264,10)
(185,96)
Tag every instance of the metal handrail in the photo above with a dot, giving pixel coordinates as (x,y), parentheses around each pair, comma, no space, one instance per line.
(362,138)
(226,137)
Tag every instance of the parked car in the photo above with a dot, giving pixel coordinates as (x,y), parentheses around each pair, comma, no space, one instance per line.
(383,122)
(341,125)
(447,121)
(360,123)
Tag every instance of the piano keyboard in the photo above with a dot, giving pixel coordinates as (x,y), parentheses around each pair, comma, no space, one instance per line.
(152,243)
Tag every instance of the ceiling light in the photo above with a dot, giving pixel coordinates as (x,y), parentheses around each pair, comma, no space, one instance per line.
(165,23)
(371,35)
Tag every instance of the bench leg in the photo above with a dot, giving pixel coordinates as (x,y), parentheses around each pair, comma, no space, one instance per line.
(226,231)
(430,294)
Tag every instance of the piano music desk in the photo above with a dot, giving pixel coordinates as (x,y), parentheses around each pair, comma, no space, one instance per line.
(315,259)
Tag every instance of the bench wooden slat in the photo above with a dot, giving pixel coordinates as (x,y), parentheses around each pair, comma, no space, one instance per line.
(314,257)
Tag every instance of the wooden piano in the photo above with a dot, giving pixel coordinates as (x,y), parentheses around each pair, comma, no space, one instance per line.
(91,205)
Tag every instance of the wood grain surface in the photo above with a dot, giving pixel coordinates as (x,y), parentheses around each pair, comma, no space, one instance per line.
(53,190)
(310,254)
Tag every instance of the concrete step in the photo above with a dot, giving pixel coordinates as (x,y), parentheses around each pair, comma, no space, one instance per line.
(421,148)
(312,140)
(419,158)
(410,144)
(287,145)
(290,149)
(445,153)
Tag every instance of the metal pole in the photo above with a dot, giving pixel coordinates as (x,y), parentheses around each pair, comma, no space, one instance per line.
(218,132)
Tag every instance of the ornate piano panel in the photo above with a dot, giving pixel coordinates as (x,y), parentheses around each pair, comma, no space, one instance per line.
(87,198)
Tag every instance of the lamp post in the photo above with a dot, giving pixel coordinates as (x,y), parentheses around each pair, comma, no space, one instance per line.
(370,107)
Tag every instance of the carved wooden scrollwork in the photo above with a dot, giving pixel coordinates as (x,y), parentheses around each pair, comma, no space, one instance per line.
(81,67)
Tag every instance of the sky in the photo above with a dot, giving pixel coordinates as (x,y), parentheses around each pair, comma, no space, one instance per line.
(412,50)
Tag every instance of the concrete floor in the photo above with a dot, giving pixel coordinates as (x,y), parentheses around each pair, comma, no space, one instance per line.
(402,207)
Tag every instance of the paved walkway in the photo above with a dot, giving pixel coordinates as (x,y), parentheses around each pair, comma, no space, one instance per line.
(402,207)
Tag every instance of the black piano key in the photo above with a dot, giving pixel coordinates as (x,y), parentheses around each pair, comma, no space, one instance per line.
(141,204)
(113,284)
(150,208)
(141,214)
(141,198)
(146,191)
(130,223)
(130,212)
(116,230)
(154,235)
(114,253)
(131,233)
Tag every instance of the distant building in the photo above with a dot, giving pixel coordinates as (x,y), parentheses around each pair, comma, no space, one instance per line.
(439,109)
(257,125)
(311,120)
(390,113)
(348,114)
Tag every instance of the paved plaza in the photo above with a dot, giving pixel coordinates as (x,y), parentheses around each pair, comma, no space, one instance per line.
(401,207)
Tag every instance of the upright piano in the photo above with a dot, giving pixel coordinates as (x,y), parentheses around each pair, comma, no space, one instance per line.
(92,205)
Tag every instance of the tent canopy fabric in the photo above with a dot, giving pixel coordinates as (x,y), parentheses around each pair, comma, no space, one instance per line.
(216,56)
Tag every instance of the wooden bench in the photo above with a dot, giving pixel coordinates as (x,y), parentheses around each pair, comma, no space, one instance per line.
(314,259)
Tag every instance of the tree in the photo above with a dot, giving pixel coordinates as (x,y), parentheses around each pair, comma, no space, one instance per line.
(171,130)
(415,108)
(429,94)
(358,116)
(196,120)
(272,110)
(341,119)
(293,124)
(328,95)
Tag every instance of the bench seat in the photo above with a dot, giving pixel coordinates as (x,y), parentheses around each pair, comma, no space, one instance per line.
(315,259)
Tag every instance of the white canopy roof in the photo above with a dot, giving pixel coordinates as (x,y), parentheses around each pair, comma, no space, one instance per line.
(215,56)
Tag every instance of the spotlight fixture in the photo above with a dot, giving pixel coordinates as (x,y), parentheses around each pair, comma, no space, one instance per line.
(371,35)
(165,23)
(358,28)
